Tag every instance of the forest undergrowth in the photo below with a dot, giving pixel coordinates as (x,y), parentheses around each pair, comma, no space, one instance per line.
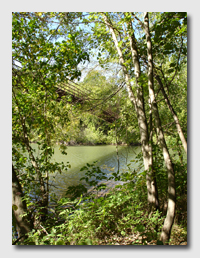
(101,212)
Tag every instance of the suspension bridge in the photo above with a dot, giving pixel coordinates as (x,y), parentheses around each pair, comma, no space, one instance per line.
(92,105)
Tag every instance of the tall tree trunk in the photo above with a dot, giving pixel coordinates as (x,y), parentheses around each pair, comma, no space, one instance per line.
(23,222)
(178,126)
(138,103)
(166,231)
(150,177)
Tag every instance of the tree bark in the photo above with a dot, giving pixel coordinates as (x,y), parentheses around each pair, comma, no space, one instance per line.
(23,220)
(150,177)
(138,103)
(166,231)
(178,126)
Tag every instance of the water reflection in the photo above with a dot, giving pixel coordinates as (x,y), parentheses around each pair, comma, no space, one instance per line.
(78,156)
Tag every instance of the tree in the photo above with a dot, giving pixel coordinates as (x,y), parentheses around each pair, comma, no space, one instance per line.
(23,221)
(165,236)
(170,25)
(40,61)
(122,32)
(138,103)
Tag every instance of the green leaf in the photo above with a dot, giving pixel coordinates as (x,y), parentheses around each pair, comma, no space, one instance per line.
(80,200)
(83,168)
(170,70)
(140,228)
(123,233)
(88,242)
(172,65)
(159,242)
(15,207)
(60,242)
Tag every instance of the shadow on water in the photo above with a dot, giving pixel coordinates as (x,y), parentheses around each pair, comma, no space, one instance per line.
(106,159)
(78,156)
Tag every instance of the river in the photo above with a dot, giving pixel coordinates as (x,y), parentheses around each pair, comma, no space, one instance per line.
(78,156)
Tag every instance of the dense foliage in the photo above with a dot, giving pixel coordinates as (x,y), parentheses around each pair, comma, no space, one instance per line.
(52,104)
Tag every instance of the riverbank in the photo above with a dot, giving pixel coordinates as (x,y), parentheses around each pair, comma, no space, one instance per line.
(73,143)
(114,218)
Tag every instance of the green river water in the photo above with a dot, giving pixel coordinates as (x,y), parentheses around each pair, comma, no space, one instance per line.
(78,156)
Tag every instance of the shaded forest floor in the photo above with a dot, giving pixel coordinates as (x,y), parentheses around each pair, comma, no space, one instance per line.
(178,237)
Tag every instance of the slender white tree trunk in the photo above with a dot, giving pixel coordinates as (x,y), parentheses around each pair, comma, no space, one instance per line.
(150,177)
(138,103)
(178,126)
(166,231)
